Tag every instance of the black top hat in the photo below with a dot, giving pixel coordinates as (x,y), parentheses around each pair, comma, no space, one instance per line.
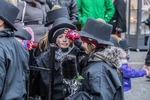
(124,44)
(60,23)
(8,13)
(54,14)
(22,34)
(97,30)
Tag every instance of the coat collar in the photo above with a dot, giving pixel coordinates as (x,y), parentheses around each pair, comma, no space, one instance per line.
(111,55)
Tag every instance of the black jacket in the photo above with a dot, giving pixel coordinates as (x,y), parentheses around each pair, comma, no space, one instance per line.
(102,78)
(14,68)
(44,61)
(71,5)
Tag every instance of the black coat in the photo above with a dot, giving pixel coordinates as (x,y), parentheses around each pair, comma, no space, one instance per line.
(102,79)
(44,61)
(119,18)
(14,68)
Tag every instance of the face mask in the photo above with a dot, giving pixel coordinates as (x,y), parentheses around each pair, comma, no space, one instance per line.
(124,61)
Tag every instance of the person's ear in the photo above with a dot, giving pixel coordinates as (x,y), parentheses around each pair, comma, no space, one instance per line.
(94,46)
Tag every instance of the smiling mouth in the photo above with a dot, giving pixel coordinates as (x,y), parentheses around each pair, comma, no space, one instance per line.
(64,44)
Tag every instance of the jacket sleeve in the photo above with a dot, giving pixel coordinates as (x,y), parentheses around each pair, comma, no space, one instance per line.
(129,72)
(109,10)
(2,71)
(74,11)
(147,59)
(42,61)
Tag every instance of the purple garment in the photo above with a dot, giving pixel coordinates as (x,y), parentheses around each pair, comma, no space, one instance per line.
(129,72)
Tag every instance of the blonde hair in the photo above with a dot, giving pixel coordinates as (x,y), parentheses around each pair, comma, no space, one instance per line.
(43,43)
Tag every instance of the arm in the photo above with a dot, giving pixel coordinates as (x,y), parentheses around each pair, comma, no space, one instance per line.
(79,3)
(74,11)
(129,72)
(109,10)
(2,71)
(120,7)
(147,59)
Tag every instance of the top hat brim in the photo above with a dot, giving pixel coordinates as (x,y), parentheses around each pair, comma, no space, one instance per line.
(85,34)
(126,48)
(7,22)
(55,14)
(114,41)
(63,25)
(22,34)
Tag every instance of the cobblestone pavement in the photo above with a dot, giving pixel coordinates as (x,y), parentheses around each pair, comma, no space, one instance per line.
(140,86)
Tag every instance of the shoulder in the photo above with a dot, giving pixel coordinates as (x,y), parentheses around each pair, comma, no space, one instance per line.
(94,67)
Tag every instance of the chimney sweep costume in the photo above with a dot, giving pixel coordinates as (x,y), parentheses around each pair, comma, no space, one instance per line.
(59,26)
(102,79)
(13,56)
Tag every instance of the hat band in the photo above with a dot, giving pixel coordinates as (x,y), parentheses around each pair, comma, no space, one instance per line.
(58,30)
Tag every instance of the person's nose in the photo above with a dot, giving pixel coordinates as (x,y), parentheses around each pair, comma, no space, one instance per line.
(65,39)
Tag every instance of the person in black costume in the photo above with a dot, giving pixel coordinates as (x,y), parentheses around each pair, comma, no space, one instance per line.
(102,78)
(64,47)
(119,19)
(14,57)
(147,58)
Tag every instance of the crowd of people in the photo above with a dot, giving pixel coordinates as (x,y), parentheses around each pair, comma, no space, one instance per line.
(45,55)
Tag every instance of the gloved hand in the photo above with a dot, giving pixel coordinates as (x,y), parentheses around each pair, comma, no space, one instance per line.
(72,35)
(29,44)
(119,30)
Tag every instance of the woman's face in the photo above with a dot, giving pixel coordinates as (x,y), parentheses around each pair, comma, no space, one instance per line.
(86,48)
(62,41)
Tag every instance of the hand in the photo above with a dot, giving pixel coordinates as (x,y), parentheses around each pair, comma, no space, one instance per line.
(118,30)
(72,35)
(147,68)
(29,44)
(101,20)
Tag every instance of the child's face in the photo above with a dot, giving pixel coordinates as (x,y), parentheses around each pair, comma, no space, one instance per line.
(1,24)
(86,47)
(62,41)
